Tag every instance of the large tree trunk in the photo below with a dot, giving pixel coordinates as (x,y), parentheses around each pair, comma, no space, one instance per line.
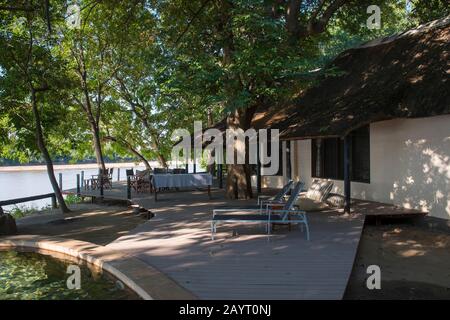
(238,175)
(97,146)
(48,161)
(162,160)
(239,184)
(93,116)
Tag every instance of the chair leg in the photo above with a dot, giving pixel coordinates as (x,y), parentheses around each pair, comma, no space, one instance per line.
(213,229)
(307,231)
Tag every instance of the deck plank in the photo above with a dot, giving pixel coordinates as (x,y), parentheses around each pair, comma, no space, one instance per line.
(249,265)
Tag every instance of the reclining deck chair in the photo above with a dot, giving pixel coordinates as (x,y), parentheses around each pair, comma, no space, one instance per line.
(287,214)
(263,201)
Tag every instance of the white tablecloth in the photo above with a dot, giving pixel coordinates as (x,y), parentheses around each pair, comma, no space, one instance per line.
(182,180)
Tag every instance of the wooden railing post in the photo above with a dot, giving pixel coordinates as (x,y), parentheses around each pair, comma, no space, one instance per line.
(128,187)
(150,183)
(101,184)
(54,206)
(118,174)
(82,179)
(60,182)
(78,185)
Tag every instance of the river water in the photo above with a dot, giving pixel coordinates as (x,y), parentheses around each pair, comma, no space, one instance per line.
(19,184)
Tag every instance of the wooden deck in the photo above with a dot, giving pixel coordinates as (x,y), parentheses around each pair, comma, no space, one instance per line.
(243,262)
(365,207)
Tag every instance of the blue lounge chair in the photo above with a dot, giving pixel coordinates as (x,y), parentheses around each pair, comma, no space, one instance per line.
(286,215)
(263,201)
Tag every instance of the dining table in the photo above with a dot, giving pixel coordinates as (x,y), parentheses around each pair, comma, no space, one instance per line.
(182,180)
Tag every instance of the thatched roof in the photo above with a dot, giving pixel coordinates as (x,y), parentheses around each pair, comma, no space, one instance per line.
(402,76)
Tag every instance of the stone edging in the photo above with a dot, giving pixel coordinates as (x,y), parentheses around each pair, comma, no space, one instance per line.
(146,281)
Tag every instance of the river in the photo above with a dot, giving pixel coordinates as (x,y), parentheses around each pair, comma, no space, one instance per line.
(24,183)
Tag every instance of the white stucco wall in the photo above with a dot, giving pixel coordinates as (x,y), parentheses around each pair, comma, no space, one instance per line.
(274,181)
(409,165)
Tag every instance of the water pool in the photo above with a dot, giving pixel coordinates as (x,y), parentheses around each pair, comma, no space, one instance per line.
(28,275)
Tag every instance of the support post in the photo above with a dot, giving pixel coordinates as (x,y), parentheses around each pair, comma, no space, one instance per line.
(128,187)
(101,185)
(347,182)
(82,179)
(78,185)
(54,205)
(288,160)
(187,168)
(60,181)
(150,187)
(213,169)
(118,174)
(195,167)
(258,169)
(220,174)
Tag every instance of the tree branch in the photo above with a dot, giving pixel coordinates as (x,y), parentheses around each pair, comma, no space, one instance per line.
(316,26)
(197,13)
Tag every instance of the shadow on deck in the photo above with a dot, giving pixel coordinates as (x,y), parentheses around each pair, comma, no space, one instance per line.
(243,262)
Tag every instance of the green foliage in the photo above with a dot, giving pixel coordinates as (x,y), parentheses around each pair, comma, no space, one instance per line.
(21,211)
(73,199)
(170,61)
(422,11)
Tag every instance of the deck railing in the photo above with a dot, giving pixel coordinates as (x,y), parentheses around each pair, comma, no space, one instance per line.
(31,198)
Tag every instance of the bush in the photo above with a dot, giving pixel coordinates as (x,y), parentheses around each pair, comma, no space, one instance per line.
(72,199)
(22,211)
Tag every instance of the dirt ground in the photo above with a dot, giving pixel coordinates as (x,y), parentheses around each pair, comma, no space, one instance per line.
(414,263)
(96,223)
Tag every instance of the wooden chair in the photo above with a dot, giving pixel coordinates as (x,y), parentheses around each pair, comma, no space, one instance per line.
(101,179)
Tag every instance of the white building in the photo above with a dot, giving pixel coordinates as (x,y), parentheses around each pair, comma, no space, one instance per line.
(391,100)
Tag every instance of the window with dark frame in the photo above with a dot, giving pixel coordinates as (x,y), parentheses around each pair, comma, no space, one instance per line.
(327,157)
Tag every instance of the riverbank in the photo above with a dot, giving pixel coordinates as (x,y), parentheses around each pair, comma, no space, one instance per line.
(69,166)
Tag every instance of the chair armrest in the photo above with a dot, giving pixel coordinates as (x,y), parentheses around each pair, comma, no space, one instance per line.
(215,211)
(271,202)
(262,197)
(289,211)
